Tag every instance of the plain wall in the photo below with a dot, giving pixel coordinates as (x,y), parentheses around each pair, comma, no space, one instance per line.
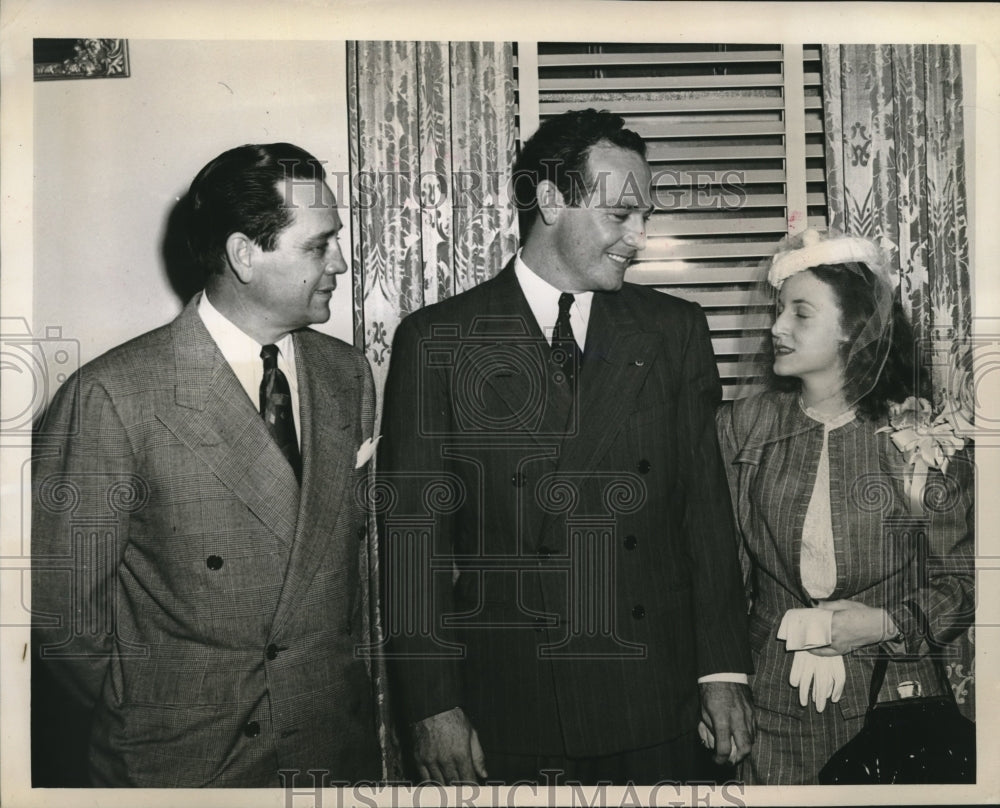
(112,156)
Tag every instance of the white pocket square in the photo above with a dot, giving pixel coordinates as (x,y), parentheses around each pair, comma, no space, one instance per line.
(366,451)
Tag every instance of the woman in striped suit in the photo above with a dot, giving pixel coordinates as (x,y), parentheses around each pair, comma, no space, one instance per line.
(852,538)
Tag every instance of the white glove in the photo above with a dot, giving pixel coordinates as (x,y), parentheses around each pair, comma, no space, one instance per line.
(806,628)
(825,675)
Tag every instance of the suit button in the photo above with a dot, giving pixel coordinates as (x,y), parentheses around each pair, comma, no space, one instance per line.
(643,466)
(544,552)
(518,480)
(639,612)
(539,624)
(213,562)
(252,729)
(631,542)
(272,651)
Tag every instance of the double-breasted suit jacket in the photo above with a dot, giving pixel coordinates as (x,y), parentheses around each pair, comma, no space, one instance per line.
(185,587)
(559,553)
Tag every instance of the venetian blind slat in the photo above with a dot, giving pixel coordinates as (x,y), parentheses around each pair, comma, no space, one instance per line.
(609,83)
(713,57)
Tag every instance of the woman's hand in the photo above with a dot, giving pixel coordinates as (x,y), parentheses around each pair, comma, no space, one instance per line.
(855,626)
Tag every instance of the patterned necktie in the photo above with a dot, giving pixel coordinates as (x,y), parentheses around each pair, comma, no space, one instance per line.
(276,409)
(565,350)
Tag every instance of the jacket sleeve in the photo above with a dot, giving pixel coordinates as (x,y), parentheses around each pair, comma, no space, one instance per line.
(729,446)
(942,606)
(720,609)
(412,472)
(84,490)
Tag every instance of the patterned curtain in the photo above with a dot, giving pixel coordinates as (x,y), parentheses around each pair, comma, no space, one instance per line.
(432,128)
(895,162)
(432,143)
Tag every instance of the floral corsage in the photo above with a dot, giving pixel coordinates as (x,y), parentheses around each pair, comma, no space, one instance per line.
(926,441)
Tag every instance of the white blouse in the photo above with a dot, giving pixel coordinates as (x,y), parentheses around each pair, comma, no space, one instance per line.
(818,563)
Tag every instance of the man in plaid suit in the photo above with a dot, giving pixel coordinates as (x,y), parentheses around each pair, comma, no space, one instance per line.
(195,586)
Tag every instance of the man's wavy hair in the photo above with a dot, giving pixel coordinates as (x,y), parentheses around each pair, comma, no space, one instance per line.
(238,192)
(558,152)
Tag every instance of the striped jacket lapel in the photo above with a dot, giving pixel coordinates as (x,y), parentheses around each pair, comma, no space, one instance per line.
(520,371)
(619,355)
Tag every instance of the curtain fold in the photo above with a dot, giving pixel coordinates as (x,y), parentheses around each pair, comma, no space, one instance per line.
(895,160)
(432,133)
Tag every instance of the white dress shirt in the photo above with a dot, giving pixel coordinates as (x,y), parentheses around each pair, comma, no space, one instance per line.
(242,353)
(543,300)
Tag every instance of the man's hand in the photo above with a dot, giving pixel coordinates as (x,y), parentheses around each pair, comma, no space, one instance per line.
(447,750)
(727,722)
(855,625)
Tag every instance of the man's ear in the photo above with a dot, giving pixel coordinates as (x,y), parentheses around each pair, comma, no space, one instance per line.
(240,250)
(550,201)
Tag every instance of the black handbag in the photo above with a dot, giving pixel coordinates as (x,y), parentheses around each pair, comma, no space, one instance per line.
(915,740)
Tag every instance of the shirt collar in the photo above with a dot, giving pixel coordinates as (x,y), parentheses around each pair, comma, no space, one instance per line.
(543,299)
(237,347)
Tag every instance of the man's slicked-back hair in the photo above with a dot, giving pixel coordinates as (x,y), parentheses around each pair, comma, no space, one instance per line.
(238,192)
(558,152)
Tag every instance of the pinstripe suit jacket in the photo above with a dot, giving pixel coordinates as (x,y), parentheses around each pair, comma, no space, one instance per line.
(183,587)
(772,450)
(597,573)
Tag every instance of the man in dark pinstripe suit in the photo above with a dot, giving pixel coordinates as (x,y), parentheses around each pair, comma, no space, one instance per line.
(195,586)
(549,434)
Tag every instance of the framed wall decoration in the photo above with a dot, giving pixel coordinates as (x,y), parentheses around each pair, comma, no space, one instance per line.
(80,59)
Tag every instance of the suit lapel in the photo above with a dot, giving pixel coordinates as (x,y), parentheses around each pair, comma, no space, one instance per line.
(217,421)
(520,371)
(617,359)
(329,448)
(769,426)
(619,355)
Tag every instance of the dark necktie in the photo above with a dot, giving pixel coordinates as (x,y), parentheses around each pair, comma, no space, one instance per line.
(565,350)
(276,409)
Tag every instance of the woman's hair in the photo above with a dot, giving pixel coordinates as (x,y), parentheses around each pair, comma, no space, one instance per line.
(879,352)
